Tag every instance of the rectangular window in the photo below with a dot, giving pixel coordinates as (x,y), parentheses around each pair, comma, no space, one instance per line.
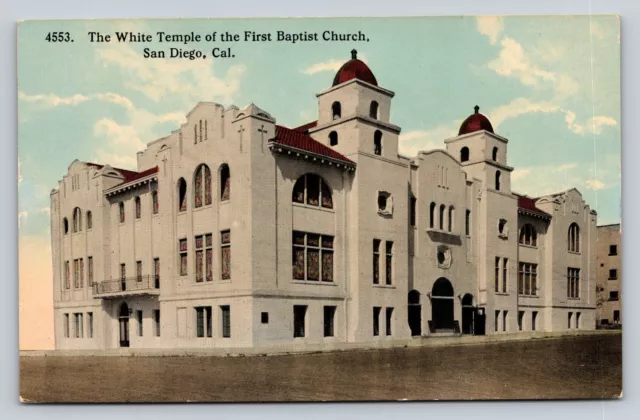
(613,250)
(90,324)
(577,320)
(534,318)
(78,325)
(65,326)
(497,275)
(569,316)
(204,257)
(156,272)
(467,223)
(613,295)
(412,214)
(138,270)
(520,320)
(389,262)
(527,279)
(312,257)
(264,317)
(225,250)
(90,271)
(138,208)
(226,321)
(76,273)
(299,313)
(81,281)
(67,276)
(329,316)
(139,319)
(376,261)
(496,320)
(505,265)
(573,283)
(613,274)
(156,204)
(389,320)
(504,320)
(203,321)
(123,277)
(183,257)
(156,321)
(376,320)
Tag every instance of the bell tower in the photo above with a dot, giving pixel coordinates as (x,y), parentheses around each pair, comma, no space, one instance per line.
(354,113)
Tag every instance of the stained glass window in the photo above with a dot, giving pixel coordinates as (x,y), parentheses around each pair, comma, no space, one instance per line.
(389,262)
(209,264)
(313,264)
(197,190)
(327,265)
(207,186)
(76,272)
(90,270)
(312,257)
(138,208)
(225,182)
(376,261)
(204,265)
(156,204)
(183,257)
(298,191)
(121,206)
(199,263)
(313,190)
(225,247)
(182,194)
(81,280)
(67,273)
(327,201)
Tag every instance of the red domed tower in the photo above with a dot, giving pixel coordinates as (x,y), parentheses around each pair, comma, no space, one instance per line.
(354,69)
(475,122)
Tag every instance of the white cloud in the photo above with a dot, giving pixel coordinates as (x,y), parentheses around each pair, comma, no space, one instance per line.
(595,184)
(593,125)
(52,101)
(332,65)
(412,142)
(513,62)
(491,26)
(517,107)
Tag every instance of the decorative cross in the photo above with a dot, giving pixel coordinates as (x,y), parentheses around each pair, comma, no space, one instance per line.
(240,132)
(262,131)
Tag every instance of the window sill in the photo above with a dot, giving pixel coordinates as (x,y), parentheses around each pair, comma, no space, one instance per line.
(573,252)
(321,283)
(501,294)
(528,246)
(384,286)
(522,295)
(573,298)
(204,207)
(312,207)
(612,278)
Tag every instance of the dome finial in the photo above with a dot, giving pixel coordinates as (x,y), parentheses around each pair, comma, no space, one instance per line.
(354,54)
(476,109)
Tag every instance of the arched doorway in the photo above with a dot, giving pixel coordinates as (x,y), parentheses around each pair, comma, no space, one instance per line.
(467,314)
(123,318)
(442,305)
(415,313)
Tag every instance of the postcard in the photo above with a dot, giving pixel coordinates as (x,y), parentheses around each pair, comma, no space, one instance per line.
(319,209)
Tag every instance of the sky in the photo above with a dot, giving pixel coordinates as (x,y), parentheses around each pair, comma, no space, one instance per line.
(550,85)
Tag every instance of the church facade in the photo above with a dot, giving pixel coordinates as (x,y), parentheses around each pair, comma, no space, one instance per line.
(239,232)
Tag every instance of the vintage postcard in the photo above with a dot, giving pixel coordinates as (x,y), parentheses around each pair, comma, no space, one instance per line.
(363,208)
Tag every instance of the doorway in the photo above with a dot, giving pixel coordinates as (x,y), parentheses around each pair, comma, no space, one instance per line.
(123,319)
(467,314)
(442,305)
(415,313)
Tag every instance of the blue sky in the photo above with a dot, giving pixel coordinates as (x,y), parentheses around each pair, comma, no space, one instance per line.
(551,85)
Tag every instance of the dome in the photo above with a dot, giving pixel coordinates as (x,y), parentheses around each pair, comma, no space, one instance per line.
(475,122)
(354,69)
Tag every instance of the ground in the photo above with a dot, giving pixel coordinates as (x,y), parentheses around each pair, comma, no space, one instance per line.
(559,368)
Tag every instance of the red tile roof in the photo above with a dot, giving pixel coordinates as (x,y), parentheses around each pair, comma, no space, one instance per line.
(129,176)
(295,140)
(306,127)
(528,204)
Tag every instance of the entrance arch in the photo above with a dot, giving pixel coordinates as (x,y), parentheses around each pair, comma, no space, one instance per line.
(442,305)
(123,318)
(415,313)
(467,314)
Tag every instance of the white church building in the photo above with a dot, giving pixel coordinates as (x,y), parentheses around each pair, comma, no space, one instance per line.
(238,232)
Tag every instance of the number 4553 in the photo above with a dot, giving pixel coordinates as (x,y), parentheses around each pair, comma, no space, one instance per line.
(58,37)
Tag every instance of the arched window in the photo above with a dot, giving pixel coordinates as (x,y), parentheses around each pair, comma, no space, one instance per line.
(202,186)
(451,217)
(467,223)
(442,209)
(373,110)
(432,215)
(89,220)
(121,210)
(377,142)
(154,202)
(336,110)
(182,194)
(333,138)
(464,154)
(498,180)
(65,225)
(312,190)
(574,238)
(494,154)
(77,219)
(225,182)
(138,207)
(528,235)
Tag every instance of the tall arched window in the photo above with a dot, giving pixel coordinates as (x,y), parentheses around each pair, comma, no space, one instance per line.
(377,142)
(121,210)
(225,182)
(336,110)
(89,220)
(441,221)
(65,225)
(312,190)
(432,215)
(333,138)
(373,110)
(467,223)
(154,202)
(182,194)
(464,154)
(494,154)
(202,186)
(138,207)
(498,180)
(451,217)
(528,235)
(574,238)
(77,219)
